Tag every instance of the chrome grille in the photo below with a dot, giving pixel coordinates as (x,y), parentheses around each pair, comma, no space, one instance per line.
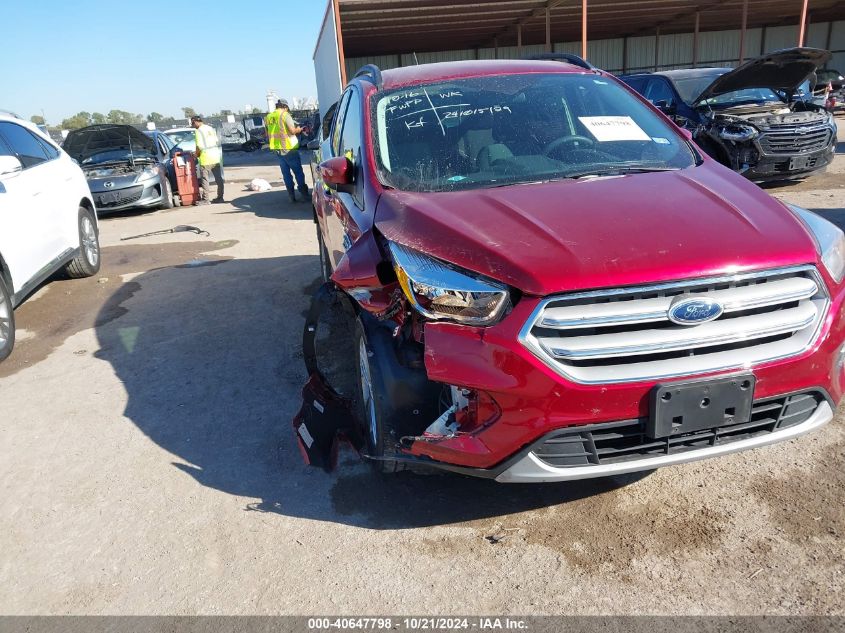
(795,139)
(613,442)
(625,335)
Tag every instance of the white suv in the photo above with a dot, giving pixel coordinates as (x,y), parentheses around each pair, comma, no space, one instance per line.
(48,220)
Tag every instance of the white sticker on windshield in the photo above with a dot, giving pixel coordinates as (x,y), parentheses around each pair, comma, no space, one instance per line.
(614,128)
(660,140)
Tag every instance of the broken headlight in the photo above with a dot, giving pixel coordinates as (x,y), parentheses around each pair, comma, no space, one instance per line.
(830,241)
(738,133)
(439,291)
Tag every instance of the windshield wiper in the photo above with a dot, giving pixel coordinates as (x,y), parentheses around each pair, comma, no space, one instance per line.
(618,171)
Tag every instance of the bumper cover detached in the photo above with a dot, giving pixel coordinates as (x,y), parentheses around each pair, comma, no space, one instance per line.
(326,418)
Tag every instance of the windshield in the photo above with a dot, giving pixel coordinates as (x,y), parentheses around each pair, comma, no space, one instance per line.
(690,87)
(182,135)
(117,156)
(743,97)
(508,129)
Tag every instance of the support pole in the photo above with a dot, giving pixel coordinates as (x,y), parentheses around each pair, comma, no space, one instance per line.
(583,29)
(656,48)
(803,24)
(549,30)
(625,55)
(519,40)
(829,35)
(742,31)
(339,34)
(695,39)
(495,48)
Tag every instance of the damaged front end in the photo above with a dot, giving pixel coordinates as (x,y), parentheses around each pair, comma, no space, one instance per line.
(755,121)
(766,143)
(382,295)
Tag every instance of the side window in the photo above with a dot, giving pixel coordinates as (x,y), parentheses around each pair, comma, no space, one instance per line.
(635,82)
(338,123)
(659,90)
(24,144)
(5,150)
(49,149)
(327,121)
(350,143)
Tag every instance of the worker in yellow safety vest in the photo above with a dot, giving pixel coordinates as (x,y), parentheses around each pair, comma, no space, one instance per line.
(210,156)
(282,133)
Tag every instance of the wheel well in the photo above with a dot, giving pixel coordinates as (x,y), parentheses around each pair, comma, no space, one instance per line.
(87,204)
(6,275)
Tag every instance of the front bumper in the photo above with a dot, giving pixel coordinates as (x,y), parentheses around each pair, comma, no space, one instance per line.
(145,194)
(770,167)
(532,469)
(535,401)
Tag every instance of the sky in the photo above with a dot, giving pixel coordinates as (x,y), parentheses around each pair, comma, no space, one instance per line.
(64,57)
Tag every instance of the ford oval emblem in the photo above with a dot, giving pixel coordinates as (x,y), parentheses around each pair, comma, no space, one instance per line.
(693,311)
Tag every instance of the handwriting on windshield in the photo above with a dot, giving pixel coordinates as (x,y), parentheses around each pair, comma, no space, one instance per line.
(419,108)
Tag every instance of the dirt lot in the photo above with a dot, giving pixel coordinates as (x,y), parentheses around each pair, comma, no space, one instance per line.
(147,464)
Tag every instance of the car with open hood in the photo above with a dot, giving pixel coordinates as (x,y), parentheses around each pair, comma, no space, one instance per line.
(125,168)
(540,278)
(753,119)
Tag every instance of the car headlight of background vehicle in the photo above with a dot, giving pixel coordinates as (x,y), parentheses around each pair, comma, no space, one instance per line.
(830,241)
(439,291)
(737,132)
(148,174)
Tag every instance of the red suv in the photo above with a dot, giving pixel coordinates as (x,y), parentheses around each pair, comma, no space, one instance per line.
(549,281)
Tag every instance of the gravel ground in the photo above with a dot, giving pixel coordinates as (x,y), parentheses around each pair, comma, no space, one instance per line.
(147,464)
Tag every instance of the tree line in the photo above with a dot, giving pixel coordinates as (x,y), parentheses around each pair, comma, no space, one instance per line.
(83,119)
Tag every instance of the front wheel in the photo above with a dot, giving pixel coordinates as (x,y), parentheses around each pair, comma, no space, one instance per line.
(7,321)
(87,261)
(166,194)
(371,407)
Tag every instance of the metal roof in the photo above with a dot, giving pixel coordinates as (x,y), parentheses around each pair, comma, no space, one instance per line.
(378,27)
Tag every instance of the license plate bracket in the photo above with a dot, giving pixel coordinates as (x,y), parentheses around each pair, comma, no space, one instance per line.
(798,162)
(678,408)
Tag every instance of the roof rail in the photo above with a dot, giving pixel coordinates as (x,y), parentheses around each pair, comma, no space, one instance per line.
(371,73)
(569,58)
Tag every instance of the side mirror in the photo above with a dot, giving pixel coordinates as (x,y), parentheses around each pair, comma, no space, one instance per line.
(337,173)
(10,166)
(687,134)
(314,145)
(665,107)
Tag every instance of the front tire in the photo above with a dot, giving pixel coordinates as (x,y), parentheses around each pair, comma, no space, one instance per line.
(166,194)
(7,321)
(87,261)
(370,407)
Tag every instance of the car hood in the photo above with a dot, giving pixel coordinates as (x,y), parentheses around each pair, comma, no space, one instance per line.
(87,142)
(602,233)
(782,70)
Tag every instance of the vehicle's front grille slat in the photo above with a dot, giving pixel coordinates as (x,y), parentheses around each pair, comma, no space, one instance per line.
(626,334)
(795,139)
(632,443)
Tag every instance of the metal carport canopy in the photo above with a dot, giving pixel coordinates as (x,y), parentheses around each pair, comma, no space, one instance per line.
(381,27)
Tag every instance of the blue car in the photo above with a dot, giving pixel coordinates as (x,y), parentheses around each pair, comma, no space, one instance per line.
(753,119)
